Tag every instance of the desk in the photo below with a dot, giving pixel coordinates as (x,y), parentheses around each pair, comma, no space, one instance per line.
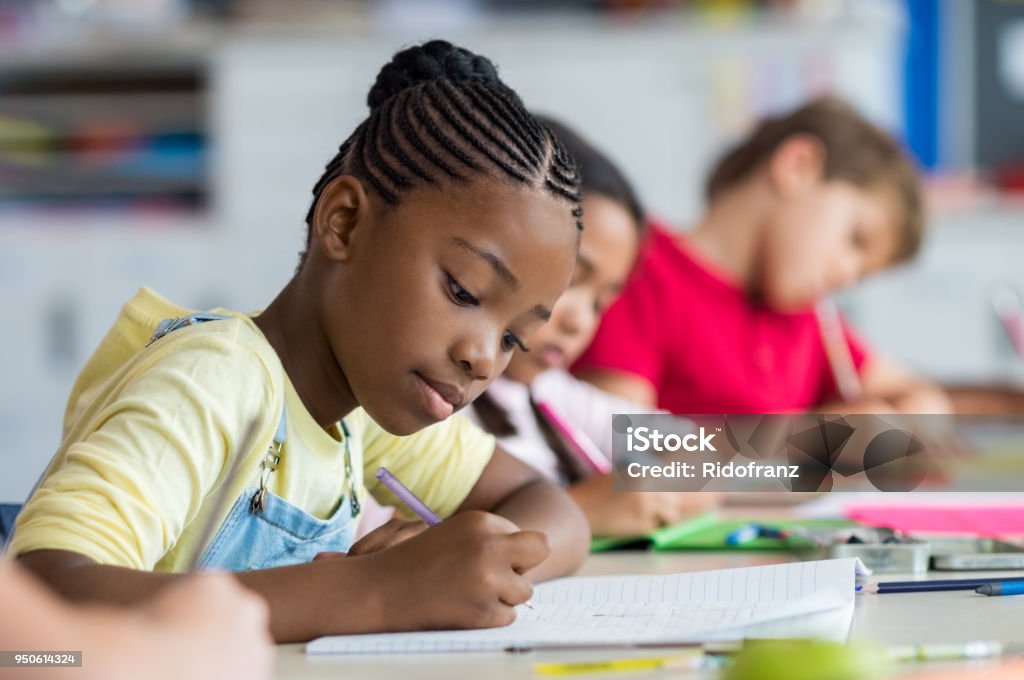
(955,616)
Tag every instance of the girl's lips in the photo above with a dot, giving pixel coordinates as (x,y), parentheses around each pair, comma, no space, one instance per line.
(437,406)
(552,356)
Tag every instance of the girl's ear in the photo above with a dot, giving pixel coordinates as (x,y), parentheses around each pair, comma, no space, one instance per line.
(797,164)
(342,207)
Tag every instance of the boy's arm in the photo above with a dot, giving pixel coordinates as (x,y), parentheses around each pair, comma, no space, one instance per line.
(884,379)
(514,490)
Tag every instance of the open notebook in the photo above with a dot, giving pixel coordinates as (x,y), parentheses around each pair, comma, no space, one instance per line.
(801,599)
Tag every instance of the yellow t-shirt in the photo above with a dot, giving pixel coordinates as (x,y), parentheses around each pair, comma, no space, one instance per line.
(149,437)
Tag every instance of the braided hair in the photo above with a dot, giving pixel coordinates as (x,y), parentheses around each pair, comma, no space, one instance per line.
(600,177)
(440,113)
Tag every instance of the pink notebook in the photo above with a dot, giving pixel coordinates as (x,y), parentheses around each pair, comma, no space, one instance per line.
(993,521)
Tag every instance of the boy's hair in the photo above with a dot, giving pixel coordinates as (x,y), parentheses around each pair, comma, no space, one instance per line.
(856,151)
(598,174)
(441,113)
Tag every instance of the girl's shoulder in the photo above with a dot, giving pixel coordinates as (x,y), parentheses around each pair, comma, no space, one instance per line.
(129,351)
(569,393)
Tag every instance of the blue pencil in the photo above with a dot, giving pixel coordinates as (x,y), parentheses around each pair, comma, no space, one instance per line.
(1005,587)
(745,534)
(933,586)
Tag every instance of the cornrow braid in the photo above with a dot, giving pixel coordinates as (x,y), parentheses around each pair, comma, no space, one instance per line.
(441,113)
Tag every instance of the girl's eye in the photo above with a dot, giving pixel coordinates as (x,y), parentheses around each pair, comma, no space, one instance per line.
(461,295)
(603,301)
(509,342)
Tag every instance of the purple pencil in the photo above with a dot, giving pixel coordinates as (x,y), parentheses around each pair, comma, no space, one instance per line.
(408,497)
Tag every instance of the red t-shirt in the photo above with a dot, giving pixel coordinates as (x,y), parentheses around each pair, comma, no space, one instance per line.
(704,345)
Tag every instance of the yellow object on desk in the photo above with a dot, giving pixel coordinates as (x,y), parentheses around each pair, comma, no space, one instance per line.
(689,660)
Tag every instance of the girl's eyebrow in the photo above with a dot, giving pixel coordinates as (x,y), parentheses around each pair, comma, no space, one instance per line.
(496,262)
(503,271)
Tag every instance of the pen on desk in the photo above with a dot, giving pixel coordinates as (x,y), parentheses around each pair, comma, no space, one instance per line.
(837,349)
(408,497)
(933,586)
(694,659)
(773,532)
(1003,587)
(577,440)
(697,659)
(745,534)
(977,649)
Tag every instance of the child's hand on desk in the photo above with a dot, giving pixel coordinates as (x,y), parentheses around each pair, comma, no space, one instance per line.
(466,572)
(209,626)
(612,513)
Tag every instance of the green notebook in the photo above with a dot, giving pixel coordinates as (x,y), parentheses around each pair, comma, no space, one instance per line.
(708,532)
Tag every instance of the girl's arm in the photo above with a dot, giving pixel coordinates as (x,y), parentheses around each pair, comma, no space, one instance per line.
(514,490)
(467,572)
(292,592)
(626,385)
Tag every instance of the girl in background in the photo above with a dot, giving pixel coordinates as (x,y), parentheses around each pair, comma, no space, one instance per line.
(614,222)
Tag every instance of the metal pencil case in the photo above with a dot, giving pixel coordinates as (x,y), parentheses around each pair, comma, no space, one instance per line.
(882,550)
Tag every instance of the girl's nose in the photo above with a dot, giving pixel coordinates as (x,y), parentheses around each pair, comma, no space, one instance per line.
(477,356)
(575,313)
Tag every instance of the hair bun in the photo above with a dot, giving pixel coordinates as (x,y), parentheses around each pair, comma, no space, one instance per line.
(430,61)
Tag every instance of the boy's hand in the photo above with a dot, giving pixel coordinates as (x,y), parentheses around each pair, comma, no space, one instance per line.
(632,513)
(466,572)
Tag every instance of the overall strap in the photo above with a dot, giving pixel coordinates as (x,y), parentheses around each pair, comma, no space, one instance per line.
(272,458)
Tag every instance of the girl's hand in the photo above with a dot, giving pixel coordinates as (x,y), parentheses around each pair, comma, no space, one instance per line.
(389,534)
(466,572)
(632,513)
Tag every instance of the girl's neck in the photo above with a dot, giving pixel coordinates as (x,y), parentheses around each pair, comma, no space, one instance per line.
(290,324)
(730,232)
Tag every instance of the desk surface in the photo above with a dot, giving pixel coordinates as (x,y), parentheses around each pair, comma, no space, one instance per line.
(956,616)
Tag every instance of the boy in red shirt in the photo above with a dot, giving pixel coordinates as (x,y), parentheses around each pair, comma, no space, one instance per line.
(722,319)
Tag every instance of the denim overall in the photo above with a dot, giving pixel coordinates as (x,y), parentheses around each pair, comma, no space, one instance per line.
(262,530)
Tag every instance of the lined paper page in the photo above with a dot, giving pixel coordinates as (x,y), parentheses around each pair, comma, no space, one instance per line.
(809,599)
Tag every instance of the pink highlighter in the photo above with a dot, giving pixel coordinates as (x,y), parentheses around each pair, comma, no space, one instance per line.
(1008,307)
(578,441)
(837,350)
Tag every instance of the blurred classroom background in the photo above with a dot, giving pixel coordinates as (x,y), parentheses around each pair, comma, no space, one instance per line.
(174,143)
